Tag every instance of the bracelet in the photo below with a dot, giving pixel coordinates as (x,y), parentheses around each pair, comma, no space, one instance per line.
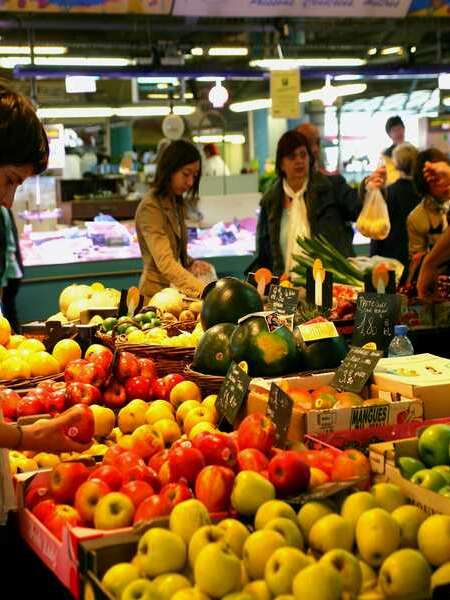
(19,440)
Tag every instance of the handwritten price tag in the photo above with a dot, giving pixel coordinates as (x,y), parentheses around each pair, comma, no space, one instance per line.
(232,393)
(355,370)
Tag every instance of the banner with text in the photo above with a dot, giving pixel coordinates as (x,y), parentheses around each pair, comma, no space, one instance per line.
(292,8)
(156,7)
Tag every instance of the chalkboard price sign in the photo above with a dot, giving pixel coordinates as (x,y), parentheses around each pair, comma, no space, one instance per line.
(283,300)
(355,370)
(376,315)
(232,393)
(279,409)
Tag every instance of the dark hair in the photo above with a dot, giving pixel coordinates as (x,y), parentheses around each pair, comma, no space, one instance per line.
(392,122)
(173,158)
(428,155)
(23,140)
(211,150)
(287,144)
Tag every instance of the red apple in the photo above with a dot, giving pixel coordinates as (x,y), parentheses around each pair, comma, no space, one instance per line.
(38,489)
(174,493)
(350,464)
(146,441)
(9,399)
(143,473)
(62,516)
(147,368)
(217,448)
(152,508)
(83,371)
(256,431)
(99,354)
(65,479)
(110,475)
(157,460)
(288,473)
(126,366)
(164,474)
(47,384)
(127,460)
(87,497)
(82,429)
(112,454)
(114,395)
(159,391)
(82,393)
(137,491)
(171,381)
(213,488)
(44,509)
(30,405)
(185,463)
(138,387)
(251,459)
(56,402)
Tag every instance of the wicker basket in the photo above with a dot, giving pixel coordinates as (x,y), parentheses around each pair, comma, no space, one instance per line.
(107,340)
(168,359)
(209,384)
(31,382)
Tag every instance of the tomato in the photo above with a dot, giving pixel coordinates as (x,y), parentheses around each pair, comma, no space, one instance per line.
(350,464)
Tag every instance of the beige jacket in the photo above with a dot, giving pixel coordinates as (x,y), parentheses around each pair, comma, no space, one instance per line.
(425,224)
(162,237)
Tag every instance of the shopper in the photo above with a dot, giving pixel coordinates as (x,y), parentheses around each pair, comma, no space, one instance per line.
(401,199)
(160,223)
(214,163)
(429,219)
(11,266)
(302,202)
(395,128)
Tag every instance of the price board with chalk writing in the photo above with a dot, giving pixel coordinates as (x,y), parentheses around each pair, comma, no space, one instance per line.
(356,369)
(283,300)
(232,393)
(376,315)
(279,409)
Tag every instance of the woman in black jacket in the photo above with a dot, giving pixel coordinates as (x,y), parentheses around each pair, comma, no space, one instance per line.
(302,202)
(11,266)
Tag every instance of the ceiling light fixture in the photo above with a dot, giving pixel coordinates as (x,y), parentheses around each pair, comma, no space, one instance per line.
(444,81)
(163,96)
(78,84)
(249,105)
(197,51)
(296,63)
(47,50)
(413,49)
(156,80)
(446,101)
(231,51)
(9,62)
(209,79)
(218,95)
(392,50)
(85,112)
(233,138)
(372,51)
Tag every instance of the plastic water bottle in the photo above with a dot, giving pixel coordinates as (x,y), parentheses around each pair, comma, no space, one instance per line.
(400,344)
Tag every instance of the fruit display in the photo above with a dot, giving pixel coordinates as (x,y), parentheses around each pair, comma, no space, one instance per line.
(76,298)
(213,353)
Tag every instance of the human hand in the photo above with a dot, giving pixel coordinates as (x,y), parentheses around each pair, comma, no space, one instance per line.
(377,179)
(426,281)
(437,173)
(48,435)
(201,267)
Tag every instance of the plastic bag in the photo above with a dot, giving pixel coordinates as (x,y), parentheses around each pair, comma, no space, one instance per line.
(373,221)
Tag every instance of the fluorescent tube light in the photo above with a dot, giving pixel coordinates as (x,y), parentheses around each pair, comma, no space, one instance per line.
(84,112)
(209,79)
(78,84)
(250,105)
(392,50)
(234,138)
(46,50)
(296,63)
(9,62)
(372,51)
(231,51)
(156,80)
(154,96)
(197,51)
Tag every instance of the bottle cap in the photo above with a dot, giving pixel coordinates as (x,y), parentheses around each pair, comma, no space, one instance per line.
(400,329)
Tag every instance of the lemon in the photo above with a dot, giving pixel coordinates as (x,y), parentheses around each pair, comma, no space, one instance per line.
(32,344)
(5,331)
(65,351)
(14,341)
(43,364)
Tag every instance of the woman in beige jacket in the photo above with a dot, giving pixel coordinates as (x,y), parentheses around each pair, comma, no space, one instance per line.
(160,223)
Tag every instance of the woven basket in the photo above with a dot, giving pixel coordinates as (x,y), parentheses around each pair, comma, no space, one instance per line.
(168,359)
(209,384)
(107,340)
(31,382)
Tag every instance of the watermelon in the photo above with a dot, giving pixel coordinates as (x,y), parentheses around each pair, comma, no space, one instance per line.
(327,353)
(229,300)
(266,353)
(212,355)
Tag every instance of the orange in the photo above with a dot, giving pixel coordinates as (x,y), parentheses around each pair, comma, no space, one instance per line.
(32,344)
(43,364)
(185,390)
(14,341)
(65,351)
(5,331)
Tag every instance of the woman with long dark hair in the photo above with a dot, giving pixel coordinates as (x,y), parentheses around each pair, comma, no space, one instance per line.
(160,222)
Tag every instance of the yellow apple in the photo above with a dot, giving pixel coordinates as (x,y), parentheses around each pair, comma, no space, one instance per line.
(434,539)
(258,548)
(217,570)
(161,551)
(46,460)
(198,415)
(132,416)
(156,412)
(203,426)
(187,517)
(184,409)
(117,577)
(272,510)
(104,419)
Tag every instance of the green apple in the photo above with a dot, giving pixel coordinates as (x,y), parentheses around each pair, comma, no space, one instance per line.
(140,589)
(161,551)
(169,583)
(357,503)
(329,532)
(409,465)
(445,491)
(369,577)
(348,568)
(192,593)
(388,495)
(429,479)
(117,577)
(258,548)
(434,442)
(317,582)
(409,519)
(235,535)
(217,571)
(289,530)
(405,574)
(377,536)
(282,567)
(208,534)
(113,510)
(250,491)
(444,470)
(434,539)
(187,517)
(271,510)
(441,576)
(258,590)
(310,513)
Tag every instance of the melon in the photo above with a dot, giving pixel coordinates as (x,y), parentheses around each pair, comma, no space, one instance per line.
(213,355)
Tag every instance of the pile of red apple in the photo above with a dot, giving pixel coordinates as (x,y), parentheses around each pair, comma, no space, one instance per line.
(148,480)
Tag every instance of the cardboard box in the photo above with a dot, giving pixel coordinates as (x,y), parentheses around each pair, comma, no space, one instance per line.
(383,458)
(422,376)
(317,422)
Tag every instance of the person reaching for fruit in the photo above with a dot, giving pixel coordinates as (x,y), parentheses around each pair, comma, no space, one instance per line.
(161,228)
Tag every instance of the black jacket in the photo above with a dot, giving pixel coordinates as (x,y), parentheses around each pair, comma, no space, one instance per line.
(3,242)
(331,204)
(401,199)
